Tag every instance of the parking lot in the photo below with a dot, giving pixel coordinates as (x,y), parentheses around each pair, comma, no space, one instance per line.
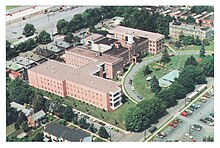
(176,132)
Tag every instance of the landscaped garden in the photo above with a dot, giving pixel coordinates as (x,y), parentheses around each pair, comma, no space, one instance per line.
(142,86)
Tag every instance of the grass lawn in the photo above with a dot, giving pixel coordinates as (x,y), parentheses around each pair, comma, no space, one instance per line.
(143,87)
(98,140)
(194,47)
(15,133)
(10,128)
(109,117)
(11,7)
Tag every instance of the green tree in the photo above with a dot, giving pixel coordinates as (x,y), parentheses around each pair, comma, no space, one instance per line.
(188,40)
(197,41)
(133,119)
(30,44)
(191,61)
(208,65)
(38,137)
(21,118)
(28,30)
(20,92)
(146,70)
(62,26)
(155,87)
(177,44)
(165,58)
(43,37)
(24,126)
(10,52)
(152,110)
(68,38)
(82,123)
(103,133)
(92,128)
(178,90)
(206,42)
(190,20)
(167,96)
(208,139)
(11,116)
(39,102)
(68,114)
(186,81)
(202,51)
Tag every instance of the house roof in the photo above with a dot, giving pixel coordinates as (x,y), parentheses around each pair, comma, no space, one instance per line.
(22,108)
(146,34)
(61,131)
(106,41)
(41,50)
(23,61)
(13,66)
(32,56)
(94,37)
(38,115)
(15,74)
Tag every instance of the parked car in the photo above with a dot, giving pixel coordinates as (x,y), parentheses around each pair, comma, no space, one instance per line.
(160,135)
(140,97)
(188,135)
(195,106)
(189,111)
(177,121)
(202,100)
(152,129)
(185,114)
(211,115)
(203,120)
(132,87)
(209,119)
(197,127)
(211,123)
(193,140)
(101,123)
(171,124)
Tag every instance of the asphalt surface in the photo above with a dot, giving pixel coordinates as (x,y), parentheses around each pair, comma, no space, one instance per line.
(42,22)
(184,127)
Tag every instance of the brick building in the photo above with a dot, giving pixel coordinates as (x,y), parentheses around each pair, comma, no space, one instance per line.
(189,30)
(155,40)
(82,83)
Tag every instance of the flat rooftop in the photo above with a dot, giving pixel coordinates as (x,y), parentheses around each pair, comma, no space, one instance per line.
(32,56)
(137,32)
(168,79)
(192,27)
(115,51)
(94,37)
(106,41)
(93,55)
(62,71)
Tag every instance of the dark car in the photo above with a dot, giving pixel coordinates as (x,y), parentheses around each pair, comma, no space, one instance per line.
(203,120)
(209,119)
(152,129)
(196,127)
(140,97)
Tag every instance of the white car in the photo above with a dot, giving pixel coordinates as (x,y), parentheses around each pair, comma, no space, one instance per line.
(132,87)
(188,135)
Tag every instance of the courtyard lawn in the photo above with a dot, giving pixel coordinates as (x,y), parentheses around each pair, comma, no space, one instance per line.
(15,133)
(140,84)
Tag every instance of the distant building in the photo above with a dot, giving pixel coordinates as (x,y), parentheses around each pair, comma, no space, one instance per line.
(125,35)
(36,119)
(189,30)
(60,133)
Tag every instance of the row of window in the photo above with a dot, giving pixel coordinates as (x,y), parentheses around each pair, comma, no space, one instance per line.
(45,80)
(51,90)
(84,99)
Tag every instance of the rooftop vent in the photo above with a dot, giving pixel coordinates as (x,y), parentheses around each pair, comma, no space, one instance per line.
(92,82)
(46,67)
(53,71)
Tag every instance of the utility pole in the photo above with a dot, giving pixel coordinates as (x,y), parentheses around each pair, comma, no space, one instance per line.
(145,133)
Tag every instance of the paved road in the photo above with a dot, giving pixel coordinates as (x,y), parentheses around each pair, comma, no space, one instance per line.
(42,21)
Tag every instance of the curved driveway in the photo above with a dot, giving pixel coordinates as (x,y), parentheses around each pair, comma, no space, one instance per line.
(127,87)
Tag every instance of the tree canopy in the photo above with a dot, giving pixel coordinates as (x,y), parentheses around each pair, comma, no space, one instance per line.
(155,87)
(191,61)
(103,133)
(43,37)
(29,30)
